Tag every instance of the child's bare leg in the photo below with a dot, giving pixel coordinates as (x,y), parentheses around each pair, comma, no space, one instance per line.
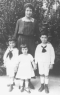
(21,85)
(46,84)
(27,86)
(11,84)
(46,79)
(42,83)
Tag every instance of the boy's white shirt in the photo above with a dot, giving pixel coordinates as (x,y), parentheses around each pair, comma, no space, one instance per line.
(15,50)
(47,57)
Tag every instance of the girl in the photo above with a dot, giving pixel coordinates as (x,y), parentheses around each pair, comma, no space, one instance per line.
(25,68)
(10,61)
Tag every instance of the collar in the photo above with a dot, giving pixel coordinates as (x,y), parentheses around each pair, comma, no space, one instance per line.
(43,45)
(11,49)
(28,20)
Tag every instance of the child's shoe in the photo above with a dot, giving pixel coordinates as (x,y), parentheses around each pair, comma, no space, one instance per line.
(46,88)
(11,88)
(41,88)
(27,90)
(31,85)
(19,87)
(22,89)
(11,84)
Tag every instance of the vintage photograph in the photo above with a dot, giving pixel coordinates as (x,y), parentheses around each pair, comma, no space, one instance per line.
(30,47)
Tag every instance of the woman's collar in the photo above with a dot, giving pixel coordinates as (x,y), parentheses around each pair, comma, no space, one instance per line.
(28,20)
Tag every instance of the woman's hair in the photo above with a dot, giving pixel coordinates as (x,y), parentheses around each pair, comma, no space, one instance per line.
(29,5)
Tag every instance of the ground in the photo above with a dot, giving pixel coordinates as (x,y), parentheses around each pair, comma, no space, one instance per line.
(54,87)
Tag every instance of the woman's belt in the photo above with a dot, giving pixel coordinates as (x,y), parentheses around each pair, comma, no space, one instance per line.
(25,35)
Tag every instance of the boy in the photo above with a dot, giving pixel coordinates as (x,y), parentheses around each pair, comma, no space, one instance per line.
(10,61)
(44,56)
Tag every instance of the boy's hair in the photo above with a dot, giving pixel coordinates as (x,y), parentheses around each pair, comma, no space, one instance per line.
(11,39)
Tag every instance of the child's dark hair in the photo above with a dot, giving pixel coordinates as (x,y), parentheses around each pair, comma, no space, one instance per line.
(23,46)
(11,39)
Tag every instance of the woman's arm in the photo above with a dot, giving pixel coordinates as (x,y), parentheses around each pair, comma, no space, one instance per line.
(37,32)
(16,30)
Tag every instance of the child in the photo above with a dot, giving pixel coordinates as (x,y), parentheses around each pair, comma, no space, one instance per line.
(10,61)
(25,68)
(44,56)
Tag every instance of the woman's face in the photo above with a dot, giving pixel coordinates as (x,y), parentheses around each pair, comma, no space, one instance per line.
(28,12)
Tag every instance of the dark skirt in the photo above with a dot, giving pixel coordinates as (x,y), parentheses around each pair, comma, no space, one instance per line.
(29,41)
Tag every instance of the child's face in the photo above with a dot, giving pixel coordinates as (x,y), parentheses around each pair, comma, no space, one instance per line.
(25,50)
(11,44)
(44,39)
(28,12)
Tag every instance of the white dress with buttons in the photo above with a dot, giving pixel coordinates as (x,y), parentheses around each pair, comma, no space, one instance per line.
(25,70)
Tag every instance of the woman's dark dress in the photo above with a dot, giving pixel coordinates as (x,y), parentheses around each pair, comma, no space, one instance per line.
(27,33)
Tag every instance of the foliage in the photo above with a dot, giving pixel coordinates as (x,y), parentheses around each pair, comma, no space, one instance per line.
(47,12)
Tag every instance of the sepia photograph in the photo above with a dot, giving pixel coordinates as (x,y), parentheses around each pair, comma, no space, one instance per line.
(30,47)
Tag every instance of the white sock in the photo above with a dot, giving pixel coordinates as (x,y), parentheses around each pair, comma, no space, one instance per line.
(26,84)
(46,80)
(42,79)
(11,80)
(21,83)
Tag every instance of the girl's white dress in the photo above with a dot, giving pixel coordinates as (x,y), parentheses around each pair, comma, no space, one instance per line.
(25,69)
(10,64)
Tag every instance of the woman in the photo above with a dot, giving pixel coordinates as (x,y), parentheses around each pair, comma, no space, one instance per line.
(27,31)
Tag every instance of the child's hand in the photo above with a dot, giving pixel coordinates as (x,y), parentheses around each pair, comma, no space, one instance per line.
(51,66)
(35,67)
(15,69)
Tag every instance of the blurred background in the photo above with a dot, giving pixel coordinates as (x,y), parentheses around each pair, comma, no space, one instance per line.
(47,12)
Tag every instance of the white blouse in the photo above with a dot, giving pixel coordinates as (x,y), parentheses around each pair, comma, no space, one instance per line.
(47,57)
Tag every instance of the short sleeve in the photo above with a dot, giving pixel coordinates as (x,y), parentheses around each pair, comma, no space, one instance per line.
(31,57)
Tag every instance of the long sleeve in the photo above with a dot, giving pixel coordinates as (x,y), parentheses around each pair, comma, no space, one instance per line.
(5,56)
(15,56)
(37,33)
(16,30)
(52,55)
(16,52)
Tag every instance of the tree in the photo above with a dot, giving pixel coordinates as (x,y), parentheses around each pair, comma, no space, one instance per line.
(47,12)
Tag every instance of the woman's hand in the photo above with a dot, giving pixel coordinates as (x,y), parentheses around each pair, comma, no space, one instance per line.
(35,67)
(51,66)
